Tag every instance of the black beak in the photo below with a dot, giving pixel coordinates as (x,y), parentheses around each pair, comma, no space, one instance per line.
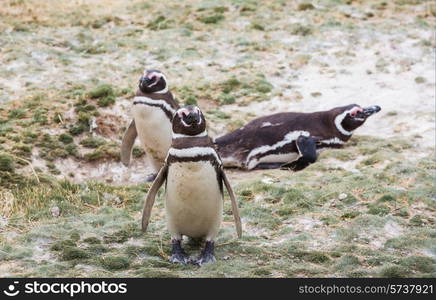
(145,81)
(368,111)
(192,118)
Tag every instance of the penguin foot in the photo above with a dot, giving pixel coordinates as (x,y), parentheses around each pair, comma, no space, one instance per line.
(295,166)
(151,177)
(178,255)
(206,255)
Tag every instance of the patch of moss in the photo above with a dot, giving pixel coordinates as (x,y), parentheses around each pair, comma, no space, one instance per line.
(394,272)
(115,262)
(386,198)
(92,142)
(72,253)
(159,23)
(137,152)
(17,113)
(350,214)
(40,116)
(7,163)
(316,257)
(257,26)
(117,237)
(97,249)
(104,93)
(29,137)
(78,129)
(230,85)
(227,99)
(11,180)
(262,272)
(22,151)
(75,236)
(92,240)
(420,79)
(61,245)
(378,209)
(419,263)
(305,6)
(105,152)
(416,220)
(263,86)
(219,114)
(298,29)
(72,150)
(213,19)
(347,262)
(65,138)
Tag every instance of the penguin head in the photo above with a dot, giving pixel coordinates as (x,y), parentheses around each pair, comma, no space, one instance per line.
(354,115)
(189,120)
(153,81)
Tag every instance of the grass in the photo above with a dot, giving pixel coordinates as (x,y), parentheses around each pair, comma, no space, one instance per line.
(229,58)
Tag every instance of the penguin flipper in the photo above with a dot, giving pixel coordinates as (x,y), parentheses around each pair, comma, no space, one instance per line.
(235,209)
(306,146)
(127,143)
(151,196)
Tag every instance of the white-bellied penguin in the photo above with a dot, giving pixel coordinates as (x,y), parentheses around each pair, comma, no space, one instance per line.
(290,140)
(153,110)
(194,176)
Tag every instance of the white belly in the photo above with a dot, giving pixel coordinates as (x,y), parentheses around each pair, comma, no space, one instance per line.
(194,203)
(154,130)
(273,158)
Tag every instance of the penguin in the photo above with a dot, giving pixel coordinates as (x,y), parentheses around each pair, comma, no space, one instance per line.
(290,140)
(193,175)
(153,110)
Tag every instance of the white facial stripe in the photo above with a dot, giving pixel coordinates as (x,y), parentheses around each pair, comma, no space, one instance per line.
(334,140)
(194,152)
(179,135)
(150,101)
(265,124)
(340,118)
(289,138)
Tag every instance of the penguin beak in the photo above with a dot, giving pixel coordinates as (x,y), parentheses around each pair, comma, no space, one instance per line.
(145,81)
(192,118)
(368,111)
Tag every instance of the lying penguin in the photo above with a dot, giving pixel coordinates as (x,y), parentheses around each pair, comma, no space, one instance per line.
(194,177)
(153,110)
(290,140)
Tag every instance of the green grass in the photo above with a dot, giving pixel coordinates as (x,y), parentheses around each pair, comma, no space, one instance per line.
(226,57)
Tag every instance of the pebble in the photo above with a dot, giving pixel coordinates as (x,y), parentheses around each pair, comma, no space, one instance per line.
(342,196)
(55,211)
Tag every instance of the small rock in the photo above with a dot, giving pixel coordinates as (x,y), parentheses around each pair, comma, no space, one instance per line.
(267,180)
(342,196)
(93,124)
(226,257)
(55,211)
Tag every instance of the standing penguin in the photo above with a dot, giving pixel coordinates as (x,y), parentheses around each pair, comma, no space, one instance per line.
(194,177)
(290,140)
(153,110)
